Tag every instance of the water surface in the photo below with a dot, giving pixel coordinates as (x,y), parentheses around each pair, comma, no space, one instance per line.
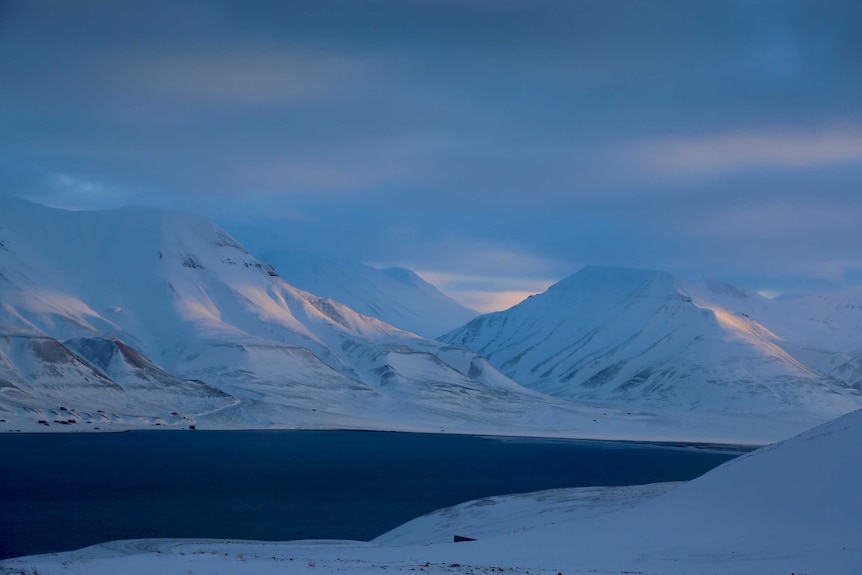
(67,491)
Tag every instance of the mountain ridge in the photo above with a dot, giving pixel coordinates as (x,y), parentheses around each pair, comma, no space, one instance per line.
(185,327)
(394,295)
(647,339)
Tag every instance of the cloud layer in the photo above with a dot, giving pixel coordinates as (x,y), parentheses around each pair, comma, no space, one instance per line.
(737,152)
(705,138)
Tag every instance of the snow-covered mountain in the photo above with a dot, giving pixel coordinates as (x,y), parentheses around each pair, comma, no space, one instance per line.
(143,317)
(396,296)
(645,339)
(140,317)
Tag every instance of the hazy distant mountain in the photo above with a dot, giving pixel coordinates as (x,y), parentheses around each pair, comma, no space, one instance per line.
(646,339)
(396,296)
(140,316)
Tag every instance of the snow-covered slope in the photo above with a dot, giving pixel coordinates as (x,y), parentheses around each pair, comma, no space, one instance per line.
(792,507)
(96,378)
(787,508)
(646,339)
(141,316)
(830,321)
(396,296)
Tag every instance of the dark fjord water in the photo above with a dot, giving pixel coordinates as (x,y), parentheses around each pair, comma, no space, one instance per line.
(61,492)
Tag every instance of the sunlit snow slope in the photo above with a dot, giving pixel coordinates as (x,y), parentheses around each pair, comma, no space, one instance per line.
(145,317)
(396,296)
(645,339)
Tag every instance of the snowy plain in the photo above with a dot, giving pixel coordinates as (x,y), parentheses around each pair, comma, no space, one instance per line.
(792,507)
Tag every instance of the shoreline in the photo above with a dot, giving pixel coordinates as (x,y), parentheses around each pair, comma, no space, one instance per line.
(659,443)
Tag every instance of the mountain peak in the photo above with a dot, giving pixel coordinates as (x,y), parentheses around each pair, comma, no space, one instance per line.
(643,338)
(615,282)
(611,277)
(405,276)
(723,288)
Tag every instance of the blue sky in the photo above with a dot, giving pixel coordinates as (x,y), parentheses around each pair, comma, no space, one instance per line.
(493,146)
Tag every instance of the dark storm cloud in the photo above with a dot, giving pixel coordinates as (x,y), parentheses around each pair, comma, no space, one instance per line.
(652,134)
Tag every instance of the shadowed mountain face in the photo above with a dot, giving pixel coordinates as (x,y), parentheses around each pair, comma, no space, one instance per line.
(647,339)
(92,376)
(124,364)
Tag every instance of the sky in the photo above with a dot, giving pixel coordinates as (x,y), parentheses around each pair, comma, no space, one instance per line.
(493,146)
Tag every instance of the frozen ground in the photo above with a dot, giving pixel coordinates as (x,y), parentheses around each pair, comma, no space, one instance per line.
(792,507)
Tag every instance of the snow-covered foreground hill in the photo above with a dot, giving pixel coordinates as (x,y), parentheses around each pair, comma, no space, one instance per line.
(788,508)
(396,296)
(138,317)
(648,340)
